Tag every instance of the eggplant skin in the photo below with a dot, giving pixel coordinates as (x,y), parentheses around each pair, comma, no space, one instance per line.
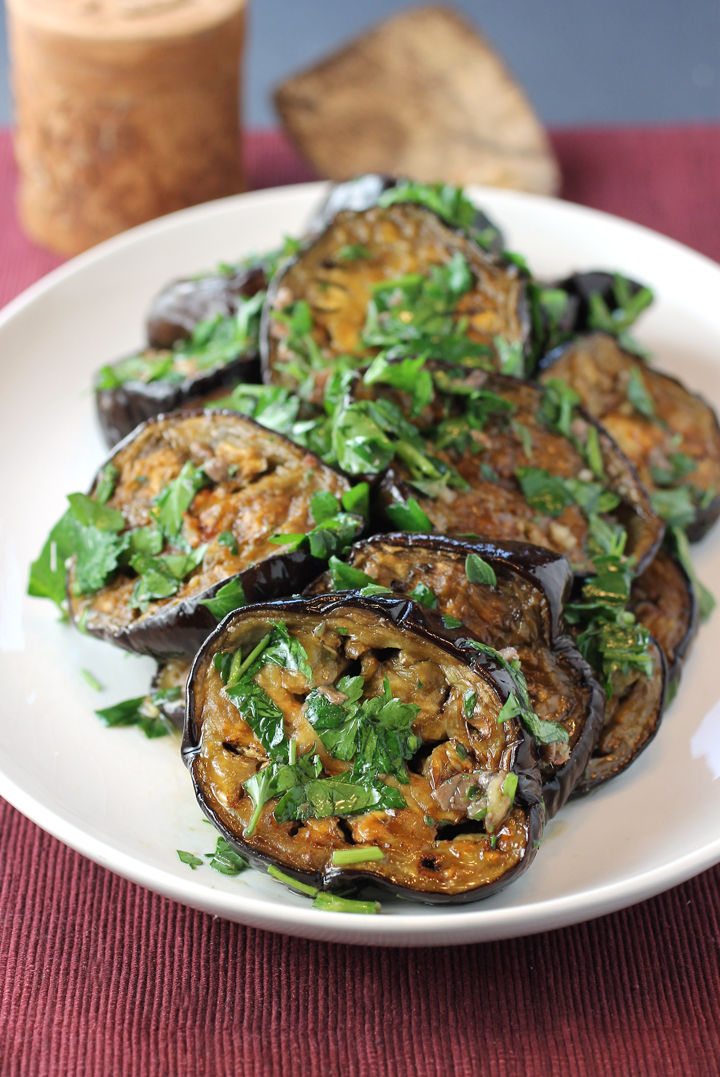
(177,626)
(121,410)
(632,720)
(663,600)
(581,286)
(498,511)
(599,370)
(419,865)
(523,611)
(172,673)
(401,238)
(181,304)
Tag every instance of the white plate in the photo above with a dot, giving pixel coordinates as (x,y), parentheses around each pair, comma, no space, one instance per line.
(126,802)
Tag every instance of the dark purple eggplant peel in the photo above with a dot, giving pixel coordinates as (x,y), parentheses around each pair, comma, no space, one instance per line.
(519,615)
(251,484)
(181,304)
(663,600)
(354,810)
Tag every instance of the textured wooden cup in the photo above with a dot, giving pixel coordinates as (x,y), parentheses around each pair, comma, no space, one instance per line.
(123,112)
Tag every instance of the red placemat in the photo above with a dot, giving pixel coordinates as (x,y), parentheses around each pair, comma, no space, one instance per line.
(103,978)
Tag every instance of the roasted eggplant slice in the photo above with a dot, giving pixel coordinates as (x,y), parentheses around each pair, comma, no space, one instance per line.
(177,309)
(211,328)
(337,738)
(670,434)
(391,276)
(663,600)
(523,463)
(515,608)
(632,718)
(449,202)
(179,525)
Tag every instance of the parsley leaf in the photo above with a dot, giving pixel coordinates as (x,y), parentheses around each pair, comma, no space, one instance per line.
(479,571)
(225,859)
(518,703)
(346,578)
(174,501)
(421,593)
(638,395)
(228,598)
(543,491)
(188,858)
(408,516)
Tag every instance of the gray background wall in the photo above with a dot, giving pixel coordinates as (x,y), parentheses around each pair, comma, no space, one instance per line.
(581,61)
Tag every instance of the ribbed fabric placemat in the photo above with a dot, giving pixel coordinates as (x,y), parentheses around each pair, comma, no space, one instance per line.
(100,977)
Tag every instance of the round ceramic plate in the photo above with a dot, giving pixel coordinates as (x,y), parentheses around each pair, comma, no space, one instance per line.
(125,801)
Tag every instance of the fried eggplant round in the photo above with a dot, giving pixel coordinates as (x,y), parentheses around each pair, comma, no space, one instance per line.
(351,741)
(323,304)
(364,192)
(177,309)
(524,467)
(181,521)
(199,343)
(670,434)
(514,609)
(632,718)
(663,600)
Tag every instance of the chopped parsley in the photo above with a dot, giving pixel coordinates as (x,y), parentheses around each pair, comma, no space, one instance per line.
(144,712)
(422,594)
(229,597)
(518,704)
(225,860)
(408,516)
(479,571)
(188,858)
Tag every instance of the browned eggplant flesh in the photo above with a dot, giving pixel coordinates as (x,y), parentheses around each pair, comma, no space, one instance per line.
(523,467)
(349,740)
(183,519)
(504,595)
(390,276)
(670,434)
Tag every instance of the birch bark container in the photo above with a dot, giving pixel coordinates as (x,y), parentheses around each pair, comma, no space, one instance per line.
(125,110)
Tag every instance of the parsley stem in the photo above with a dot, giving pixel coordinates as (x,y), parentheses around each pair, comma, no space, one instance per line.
(331,903)
(236,674)
(304,888)
(292,753)
(356,856)
(92,681)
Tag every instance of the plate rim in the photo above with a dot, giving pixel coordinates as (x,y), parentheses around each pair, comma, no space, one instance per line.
(476,923)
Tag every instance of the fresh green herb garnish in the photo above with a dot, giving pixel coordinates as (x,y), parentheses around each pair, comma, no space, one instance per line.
(341,857)
(408,516)
(188,858)
(679,465)
(332,903)
(543,491)
(143,712)
(629,308)
(479,571)
(175,499)
(638,395)
(451,622)
(226,860)
(518,702)
(346,578)
(353,252)
(706,601)
(92,681)
(228,598)
(376,733)
(226,538)
(675,506)
(288,880)
(423,594)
